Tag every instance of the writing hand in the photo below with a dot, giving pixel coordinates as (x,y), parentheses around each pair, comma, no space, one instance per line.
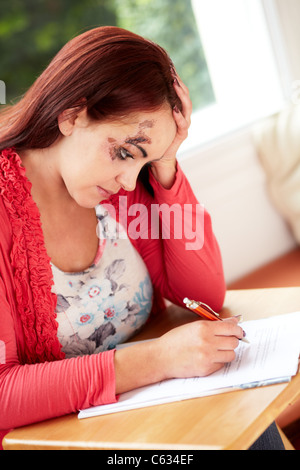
(199,348)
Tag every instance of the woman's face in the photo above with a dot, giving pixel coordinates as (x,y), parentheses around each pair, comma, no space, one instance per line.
(98,159)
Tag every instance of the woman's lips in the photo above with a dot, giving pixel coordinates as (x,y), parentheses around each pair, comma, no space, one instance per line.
(103,192)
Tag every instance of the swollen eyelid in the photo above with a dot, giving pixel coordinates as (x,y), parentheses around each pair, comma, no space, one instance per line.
(123,154)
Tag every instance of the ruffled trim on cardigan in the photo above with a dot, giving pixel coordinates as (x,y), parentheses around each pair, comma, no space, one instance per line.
(31,265)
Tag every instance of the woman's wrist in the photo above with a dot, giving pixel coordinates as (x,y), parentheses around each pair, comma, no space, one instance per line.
(165,173)
(138,365)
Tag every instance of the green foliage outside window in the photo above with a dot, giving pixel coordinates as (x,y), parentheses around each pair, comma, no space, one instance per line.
(32,32)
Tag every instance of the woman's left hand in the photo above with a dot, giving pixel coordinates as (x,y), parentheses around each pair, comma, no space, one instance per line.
(164,169)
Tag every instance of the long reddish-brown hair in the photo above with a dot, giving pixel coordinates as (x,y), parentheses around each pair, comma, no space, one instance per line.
(111,71)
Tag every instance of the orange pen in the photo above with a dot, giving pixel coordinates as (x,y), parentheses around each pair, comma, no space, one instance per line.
(202,309)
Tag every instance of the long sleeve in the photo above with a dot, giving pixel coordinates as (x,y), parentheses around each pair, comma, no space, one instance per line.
(186,261)
(31,393)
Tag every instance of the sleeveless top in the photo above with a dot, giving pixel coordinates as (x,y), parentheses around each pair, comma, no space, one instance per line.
(108,302)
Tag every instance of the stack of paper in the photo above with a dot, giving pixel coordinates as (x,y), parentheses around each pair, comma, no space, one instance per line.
(271,357)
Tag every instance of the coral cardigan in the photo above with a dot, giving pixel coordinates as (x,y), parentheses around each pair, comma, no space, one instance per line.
(36,382)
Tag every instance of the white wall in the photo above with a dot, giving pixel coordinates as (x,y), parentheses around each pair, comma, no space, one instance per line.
(228,179)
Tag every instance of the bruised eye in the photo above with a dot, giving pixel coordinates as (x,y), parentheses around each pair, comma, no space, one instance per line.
(123,153)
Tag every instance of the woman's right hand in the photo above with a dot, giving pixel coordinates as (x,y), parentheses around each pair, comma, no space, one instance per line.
(193,350)
(200,348)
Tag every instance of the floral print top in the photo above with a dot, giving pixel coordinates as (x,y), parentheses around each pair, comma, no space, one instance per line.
(107,303)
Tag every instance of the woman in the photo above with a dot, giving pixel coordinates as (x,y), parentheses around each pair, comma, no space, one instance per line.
(99,128)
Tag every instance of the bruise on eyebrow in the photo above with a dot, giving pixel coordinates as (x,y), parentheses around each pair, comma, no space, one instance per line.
(139,140)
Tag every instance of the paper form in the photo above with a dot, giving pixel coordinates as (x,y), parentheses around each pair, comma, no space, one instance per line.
(271,357)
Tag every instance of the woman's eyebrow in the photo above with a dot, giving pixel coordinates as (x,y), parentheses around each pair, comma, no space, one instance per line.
(136,141)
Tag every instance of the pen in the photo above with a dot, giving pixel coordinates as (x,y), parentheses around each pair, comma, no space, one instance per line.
(205,312)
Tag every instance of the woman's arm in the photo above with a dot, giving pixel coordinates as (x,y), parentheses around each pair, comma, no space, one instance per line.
(176,270)
(31,393)
(196,349)
(186,260)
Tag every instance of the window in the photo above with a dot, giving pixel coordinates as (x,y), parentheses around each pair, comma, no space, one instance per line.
(172,24)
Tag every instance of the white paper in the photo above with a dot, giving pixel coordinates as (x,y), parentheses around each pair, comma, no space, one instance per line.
(271,357)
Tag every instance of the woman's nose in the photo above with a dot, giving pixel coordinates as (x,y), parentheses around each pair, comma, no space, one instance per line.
(127,179)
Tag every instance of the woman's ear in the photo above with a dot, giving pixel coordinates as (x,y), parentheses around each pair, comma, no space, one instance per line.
(71,118)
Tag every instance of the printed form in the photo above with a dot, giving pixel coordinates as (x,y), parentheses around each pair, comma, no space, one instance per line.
(271,357)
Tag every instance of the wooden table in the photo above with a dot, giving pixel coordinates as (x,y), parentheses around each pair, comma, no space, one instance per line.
(232,420)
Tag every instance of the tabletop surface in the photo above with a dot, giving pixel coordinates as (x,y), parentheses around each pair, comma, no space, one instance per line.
(232,420)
